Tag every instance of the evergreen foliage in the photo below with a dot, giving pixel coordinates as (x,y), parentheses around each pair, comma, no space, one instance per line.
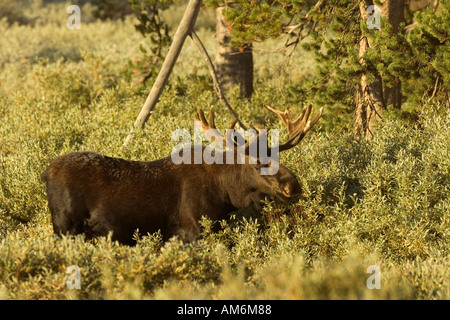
(332,30)
(430,55)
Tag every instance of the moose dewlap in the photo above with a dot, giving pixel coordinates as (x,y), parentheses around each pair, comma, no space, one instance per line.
(93,194)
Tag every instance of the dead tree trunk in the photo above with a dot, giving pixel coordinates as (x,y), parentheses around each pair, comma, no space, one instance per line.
(374,97)
(184,29)
(234,66)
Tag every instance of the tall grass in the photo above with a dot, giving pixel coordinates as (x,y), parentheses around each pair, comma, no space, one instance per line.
(383,202)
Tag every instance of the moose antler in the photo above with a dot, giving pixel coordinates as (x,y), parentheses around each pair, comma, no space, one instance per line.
(207,127)
(297,128)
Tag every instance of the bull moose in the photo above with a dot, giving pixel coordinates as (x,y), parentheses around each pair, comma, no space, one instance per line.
(93,194)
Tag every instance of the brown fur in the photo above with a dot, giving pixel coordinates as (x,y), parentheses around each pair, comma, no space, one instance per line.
(94,194)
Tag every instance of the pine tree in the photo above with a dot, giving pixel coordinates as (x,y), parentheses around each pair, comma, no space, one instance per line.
(430,56)
(357,67)
(379,51)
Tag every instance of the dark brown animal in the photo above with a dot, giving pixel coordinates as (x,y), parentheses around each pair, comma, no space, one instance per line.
(92,194)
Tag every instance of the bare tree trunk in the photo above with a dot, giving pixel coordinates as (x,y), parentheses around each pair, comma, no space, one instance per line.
(369,98)
(373,98)
(233,65)
(394,11)
(184,29)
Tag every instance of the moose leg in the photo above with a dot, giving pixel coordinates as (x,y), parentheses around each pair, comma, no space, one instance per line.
(63,223)
(188,229)
(188,233)
(97,225)
(66,213)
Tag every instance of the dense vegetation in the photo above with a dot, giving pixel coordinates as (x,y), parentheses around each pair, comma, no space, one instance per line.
(410,52)
(382,202)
